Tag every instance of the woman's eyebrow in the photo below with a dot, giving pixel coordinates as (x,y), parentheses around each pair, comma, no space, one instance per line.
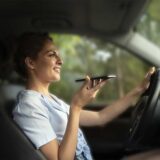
(51,50)
(55,51)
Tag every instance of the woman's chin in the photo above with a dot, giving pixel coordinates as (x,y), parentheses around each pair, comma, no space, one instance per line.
(56,79)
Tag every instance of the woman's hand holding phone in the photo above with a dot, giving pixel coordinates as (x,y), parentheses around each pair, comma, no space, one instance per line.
(88,90)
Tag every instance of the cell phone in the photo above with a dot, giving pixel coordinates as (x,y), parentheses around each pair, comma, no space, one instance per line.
(97,78)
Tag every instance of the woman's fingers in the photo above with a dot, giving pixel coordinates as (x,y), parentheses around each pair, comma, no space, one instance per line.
(150,72)
(88,91)
(86,82)
(146,82)
(148,75)
(90,83)
(99,85)
(93,86)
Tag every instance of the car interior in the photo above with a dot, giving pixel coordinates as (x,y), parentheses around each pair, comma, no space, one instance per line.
(112,21)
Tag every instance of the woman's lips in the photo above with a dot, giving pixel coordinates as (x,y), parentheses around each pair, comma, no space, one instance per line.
(57,69)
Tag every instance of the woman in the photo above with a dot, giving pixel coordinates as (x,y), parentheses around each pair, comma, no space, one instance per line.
(50,123)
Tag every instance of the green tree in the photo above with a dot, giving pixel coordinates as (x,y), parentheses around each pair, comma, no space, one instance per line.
(80,55)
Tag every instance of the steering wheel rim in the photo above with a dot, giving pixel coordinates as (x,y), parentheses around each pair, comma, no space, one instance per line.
(146,120)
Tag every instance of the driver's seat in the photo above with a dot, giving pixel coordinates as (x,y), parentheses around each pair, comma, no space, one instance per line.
(14,145)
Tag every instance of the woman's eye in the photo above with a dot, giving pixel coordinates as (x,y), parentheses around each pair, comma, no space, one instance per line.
(52,54)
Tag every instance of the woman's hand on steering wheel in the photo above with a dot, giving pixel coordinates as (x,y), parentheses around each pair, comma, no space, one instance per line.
(143,86)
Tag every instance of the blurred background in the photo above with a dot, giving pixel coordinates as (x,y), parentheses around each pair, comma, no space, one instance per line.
(88,56)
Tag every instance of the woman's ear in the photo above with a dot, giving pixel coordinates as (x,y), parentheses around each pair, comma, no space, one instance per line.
(29,63)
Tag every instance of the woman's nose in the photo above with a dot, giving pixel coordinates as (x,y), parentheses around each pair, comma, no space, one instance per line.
(59,60)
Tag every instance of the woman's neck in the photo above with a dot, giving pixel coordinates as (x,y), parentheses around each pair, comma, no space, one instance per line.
(38,86)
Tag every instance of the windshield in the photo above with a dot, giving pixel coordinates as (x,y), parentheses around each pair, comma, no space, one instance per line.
(94,57)
(149,24)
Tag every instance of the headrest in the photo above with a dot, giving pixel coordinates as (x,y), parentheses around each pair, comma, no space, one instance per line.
(14,144)
(9,92)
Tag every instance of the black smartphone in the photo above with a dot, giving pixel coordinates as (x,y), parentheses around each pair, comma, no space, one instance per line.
(97,78)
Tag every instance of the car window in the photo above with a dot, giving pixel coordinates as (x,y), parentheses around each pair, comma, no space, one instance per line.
(94,57)
(149,24)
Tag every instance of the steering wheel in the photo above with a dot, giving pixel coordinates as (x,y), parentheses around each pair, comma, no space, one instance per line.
(145,126)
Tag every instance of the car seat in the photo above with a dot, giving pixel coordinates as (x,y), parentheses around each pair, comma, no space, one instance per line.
(14,145)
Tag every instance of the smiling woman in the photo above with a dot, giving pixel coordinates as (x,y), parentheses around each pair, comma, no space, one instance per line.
(45,116)
(40,48)
(50,123)
(47,65)
(110,21)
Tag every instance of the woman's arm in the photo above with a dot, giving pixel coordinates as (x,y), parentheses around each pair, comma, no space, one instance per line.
(67,148)
(90,118)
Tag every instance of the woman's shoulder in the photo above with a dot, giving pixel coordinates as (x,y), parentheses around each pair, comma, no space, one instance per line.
(29,104)
(26,95)
(30,99)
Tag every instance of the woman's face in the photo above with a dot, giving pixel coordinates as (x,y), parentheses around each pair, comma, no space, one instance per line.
(47,66)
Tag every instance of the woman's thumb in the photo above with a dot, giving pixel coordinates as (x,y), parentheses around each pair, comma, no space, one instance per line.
(87,80)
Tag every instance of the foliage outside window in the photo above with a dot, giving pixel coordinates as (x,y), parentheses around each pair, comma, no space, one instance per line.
(85,56)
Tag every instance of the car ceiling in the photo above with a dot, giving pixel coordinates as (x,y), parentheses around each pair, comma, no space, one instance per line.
(107,18)
(111,20)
